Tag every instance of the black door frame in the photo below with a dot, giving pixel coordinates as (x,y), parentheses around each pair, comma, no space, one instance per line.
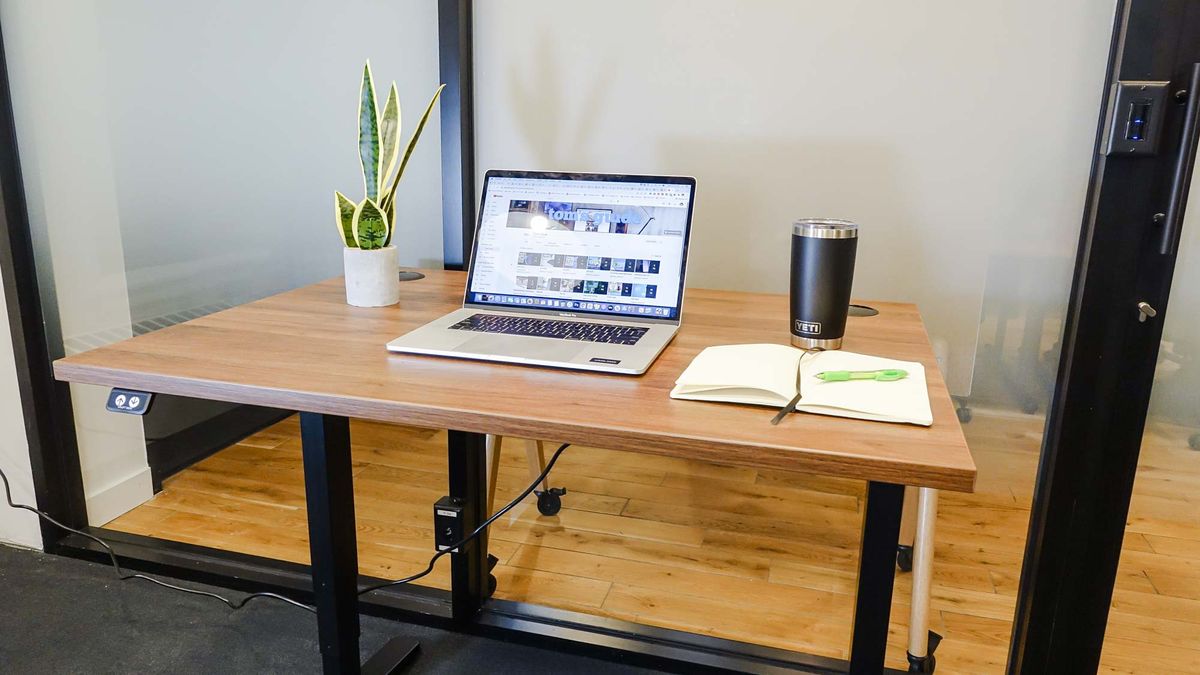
(46,403)
(457,70)
(1131,228)
(1086,461)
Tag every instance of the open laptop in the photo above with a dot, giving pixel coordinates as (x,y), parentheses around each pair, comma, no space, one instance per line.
(570,270)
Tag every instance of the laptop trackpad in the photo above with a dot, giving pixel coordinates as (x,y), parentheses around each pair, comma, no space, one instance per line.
(542,349)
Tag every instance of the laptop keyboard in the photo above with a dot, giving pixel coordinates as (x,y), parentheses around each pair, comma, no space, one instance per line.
(610,333)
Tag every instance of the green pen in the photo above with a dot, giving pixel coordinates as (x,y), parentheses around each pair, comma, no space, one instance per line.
(890,375)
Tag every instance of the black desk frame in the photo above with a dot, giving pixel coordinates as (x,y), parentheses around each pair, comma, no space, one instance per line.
(332,536)
(333,543)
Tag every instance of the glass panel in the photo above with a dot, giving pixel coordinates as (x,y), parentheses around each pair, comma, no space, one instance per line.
(900,118)
(181,158)
(1154,624)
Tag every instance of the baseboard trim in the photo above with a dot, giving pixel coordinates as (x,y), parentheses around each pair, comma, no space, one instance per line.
(109,503)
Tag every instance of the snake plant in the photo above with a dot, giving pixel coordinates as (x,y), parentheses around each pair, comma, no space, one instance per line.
(369,224)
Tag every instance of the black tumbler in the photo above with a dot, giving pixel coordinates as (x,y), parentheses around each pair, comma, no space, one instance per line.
(822,274)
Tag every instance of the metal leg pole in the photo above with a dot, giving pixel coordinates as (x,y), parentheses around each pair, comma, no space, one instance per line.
(469,579)
(332,541)
(329,491)
(876,575)
(922,641)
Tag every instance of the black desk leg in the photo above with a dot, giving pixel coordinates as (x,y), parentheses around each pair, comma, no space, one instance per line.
(469,585)
(332,540)
(876,575)
(329,491)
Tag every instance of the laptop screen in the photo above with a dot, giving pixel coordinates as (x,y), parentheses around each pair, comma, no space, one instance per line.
(582,243)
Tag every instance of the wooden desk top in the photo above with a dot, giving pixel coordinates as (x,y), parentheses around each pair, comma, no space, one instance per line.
(308,350)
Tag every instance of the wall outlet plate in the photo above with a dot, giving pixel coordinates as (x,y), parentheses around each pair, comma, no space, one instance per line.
(1135,117)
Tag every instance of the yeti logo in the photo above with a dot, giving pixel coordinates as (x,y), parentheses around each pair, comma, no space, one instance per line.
(810,327)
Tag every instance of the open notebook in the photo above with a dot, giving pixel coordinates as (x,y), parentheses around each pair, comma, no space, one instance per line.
(765,374)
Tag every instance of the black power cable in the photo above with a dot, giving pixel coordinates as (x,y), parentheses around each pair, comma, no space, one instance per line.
(477,531)
(238,604)
(124,576)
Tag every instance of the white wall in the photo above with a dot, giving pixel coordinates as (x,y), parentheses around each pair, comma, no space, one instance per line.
(259,101)
(16,526)
(949,130)
(216,133)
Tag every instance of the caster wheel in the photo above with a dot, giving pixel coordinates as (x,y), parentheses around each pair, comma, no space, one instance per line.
(550,501)
(1194,441)
(964,415)
(927,663)
(491,585)
(904,558)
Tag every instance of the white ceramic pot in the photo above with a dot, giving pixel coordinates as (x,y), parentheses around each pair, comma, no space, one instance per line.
(372,277)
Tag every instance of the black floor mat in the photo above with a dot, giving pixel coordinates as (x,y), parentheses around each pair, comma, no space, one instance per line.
(59,615)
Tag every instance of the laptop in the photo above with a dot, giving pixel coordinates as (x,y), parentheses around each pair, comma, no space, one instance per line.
(570,270)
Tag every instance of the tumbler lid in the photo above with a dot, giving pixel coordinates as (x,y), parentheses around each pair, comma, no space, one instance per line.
(825,228)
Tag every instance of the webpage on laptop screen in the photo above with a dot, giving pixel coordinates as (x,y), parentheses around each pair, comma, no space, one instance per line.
(595,246)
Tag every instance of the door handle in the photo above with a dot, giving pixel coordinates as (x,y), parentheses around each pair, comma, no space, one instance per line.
(1145,311)
(1182,175)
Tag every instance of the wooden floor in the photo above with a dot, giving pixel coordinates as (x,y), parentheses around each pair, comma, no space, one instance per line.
(758,556)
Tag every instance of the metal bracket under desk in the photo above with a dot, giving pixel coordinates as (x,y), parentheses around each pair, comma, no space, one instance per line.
(335,582)
(333,543)
(329,489)
(876,577)
(469,584)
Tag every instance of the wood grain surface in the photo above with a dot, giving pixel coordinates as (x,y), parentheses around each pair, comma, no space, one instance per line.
(767,557)
(307,350)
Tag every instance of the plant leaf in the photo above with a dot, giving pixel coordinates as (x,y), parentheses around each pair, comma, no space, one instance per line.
(412,144)
(390,212)
(370,226)
(368,134)
(389,135)
(344,212)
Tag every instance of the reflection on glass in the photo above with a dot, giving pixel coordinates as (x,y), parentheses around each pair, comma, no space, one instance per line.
(179,159)
(1155,617)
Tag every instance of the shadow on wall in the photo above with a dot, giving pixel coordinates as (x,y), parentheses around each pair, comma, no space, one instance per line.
(543,116)
(746,206)
(750,192)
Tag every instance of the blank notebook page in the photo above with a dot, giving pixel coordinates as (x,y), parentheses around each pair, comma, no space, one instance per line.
(759,374)
(905,400)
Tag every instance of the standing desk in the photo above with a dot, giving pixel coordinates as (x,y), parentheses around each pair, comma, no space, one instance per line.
(307,350)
